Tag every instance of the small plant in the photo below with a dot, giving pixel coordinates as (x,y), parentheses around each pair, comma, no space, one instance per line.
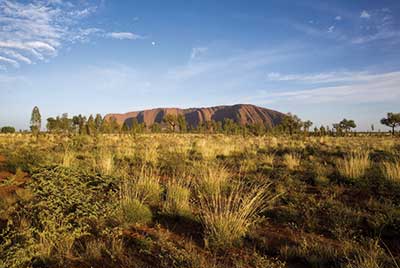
(354,165)
(135,212)
(177,199)
(373,256)
(291,161)
(268,159)
(213,178)
(227,215)
(146,189)
(68,158)
(391,170)
(105,162)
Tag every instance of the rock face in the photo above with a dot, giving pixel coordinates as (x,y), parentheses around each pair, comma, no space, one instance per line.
(240,113)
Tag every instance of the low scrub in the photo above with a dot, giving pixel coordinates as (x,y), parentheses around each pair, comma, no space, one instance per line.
(227,215)
(391,170)
(291,161)
(354,165)
(177,199)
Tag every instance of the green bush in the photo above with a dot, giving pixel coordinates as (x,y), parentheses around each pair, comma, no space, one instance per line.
(136,212)
(64,204)
(7,129)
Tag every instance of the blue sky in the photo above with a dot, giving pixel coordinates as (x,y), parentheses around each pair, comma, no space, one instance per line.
(322,60)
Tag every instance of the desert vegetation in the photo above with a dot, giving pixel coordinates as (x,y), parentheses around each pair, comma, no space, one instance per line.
(198,200)
(92,193)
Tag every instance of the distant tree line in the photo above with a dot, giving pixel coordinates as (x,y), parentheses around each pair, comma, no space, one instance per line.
(290,125)
(82,125)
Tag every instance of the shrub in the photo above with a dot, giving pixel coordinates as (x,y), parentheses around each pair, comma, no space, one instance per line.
(177,199)
(268,159)
(227,215)
(391,170)
(135,212)
(146,189)
(213,178)
(373,256)
(68,158)
(7,129)
(354,165)
(291,161)
(105,162)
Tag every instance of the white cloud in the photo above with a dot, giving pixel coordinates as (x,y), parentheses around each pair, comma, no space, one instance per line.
(197,51)
(365,15)
(124,35)
(9,61)
(331,28)
(338,18)
(37,30)
(329,77)
(352,87)
(236,66)
(16,56)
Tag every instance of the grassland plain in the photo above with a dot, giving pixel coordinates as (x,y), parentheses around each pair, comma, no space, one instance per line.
(191,200)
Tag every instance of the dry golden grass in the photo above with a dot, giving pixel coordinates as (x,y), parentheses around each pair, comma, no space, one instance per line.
(354,165)
(292,161)
(105,162)
(373,256)
(213,178)
(177,199)
(68,158)
(391,170)
(227,215)
(146,188)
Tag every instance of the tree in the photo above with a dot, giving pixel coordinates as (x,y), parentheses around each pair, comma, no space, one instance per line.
(182,123)
(338,128)
(229,126)
(114,125)
(79,123)
(136,127)
(347,125)
(36,120)
(306,126)
(291,123)
(322,130)
(52,124)
(171,120)
(65,123)
(90,126)
(98,121)
(392,120)
(155,128)
(7,129)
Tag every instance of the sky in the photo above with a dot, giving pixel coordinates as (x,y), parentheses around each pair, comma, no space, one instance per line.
(321,60)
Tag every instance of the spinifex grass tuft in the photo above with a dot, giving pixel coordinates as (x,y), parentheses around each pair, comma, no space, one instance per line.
(354,165)
(227,215)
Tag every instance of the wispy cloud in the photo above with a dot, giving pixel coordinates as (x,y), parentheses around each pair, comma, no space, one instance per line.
(360,28)
(124,35)
(198,51)
(365,15)
(353,87)
(10,61)
(239,64)
(319,78)
(37,30)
